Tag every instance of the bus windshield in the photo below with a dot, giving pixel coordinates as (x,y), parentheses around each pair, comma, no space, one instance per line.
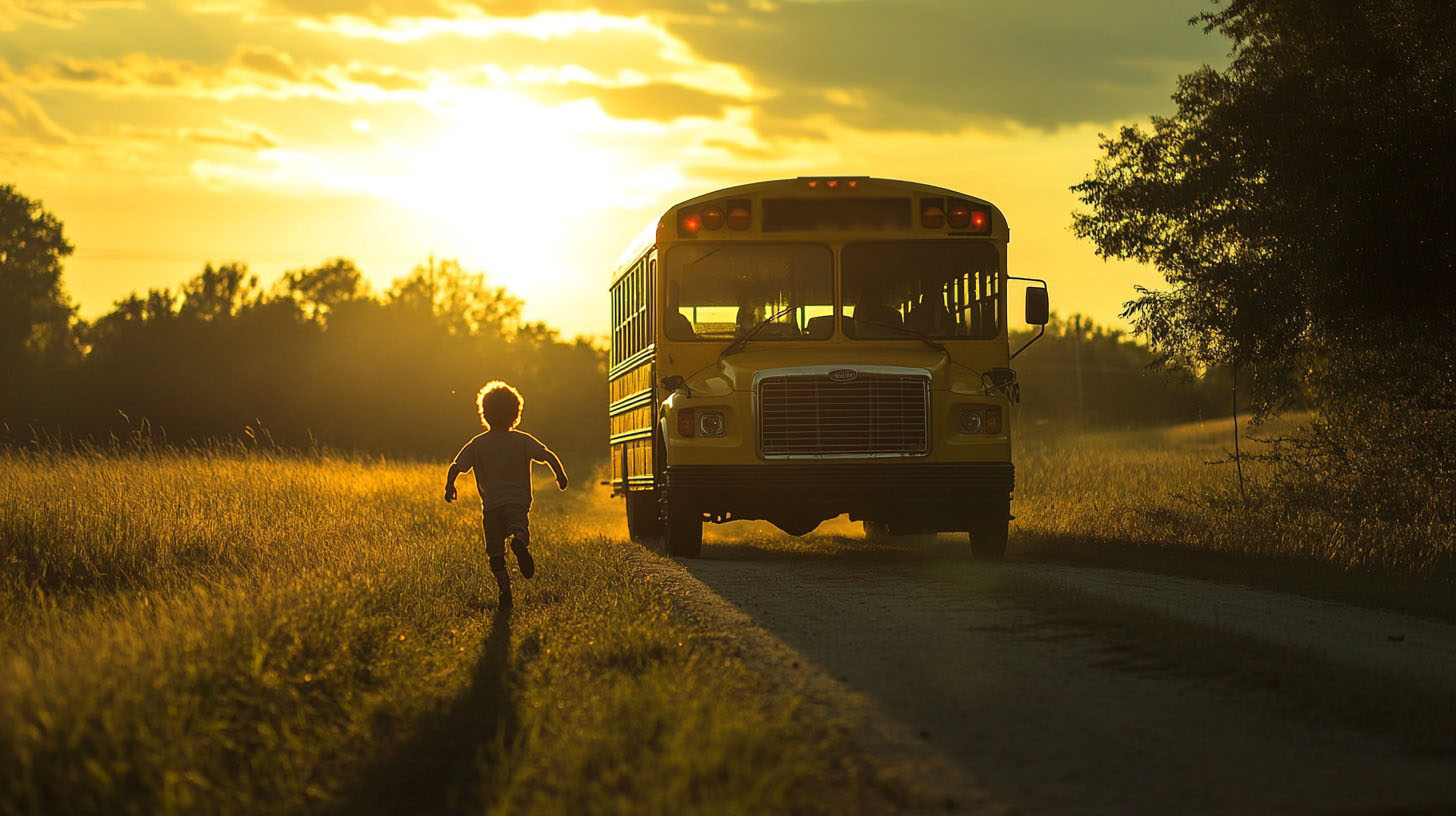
(940,289)
(722,292)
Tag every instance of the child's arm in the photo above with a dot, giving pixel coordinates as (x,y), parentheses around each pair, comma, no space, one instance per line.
(555,462)
(455,470)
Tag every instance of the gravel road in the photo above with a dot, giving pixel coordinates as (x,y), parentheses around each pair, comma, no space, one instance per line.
(1045,713)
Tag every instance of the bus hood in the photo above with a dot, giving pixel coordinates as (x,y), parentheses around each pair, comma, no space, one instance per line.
(736,372)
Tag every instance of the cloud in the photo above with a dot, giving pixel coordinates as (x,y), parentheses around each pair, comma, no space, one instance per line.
(929,66)
(268,62)
(252,71)
(653,101)
(936,65)
(240,135)
(386,78)
(23,119)
(54,13)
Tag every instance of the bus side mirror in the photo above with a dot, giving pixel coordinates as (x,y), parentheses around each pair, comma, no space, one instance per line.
(1037,307)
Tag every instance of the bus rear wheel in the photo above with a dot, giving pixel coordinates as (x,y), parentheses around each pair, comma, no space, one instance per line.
(682,528)
(643,520)
(988,536)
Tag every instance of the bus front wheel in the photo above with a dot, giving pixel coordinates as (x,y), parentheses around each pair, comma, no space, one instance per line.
(682,528)
(988,536)
(643,521)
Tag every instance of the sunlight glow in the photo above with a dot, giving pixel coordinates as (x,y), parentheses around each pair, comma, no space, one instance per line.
(470,22)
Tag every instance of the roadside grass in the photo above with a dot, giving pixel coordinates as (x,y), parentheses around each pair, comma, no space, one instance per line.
(1168,500)
(244,634)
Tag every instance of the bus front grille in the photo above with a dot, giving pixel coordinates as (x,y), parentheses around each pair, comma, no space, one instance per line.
(811,415)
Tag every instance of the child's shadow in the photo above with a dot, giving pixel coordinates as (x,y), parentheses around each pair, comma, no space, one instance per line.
(453,761)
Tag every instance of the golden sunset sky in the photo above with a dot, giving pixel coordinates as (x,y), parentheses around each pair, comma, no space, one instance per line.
(531,139)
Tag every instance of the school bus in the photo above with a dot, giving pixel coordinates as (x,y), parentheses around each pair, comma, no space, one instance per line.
(798,349)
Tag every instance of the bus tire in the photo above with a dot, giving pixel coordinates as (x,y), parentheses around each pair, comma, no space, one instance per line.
(682,529)
(988,536)
(644,523)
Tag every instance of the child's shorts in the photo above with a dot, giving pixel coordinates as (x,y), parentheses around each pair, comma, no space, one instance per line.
(501,523)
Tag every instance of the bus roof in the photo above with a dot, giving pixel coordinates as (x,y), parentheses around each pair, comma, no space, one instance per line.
(801,187)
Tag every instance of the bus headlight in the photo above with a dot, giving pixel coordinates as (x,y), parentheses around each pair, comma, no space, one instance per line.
(973,421)
(710,423)
(981,419)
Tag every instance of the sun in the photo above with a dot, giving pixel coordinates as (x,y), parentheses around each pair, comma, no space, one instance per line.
(506,173)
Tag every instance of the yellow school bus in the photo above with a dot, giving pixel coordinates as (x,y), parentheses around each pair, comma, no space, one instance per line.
(798,349)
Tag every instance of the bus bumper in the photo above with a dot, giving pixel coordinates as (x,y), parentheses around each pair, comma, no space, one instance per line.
(910,497)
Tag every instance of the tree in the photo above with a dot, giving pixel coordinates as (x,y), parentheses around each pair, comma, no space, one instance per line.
(460,300)
(35,313)
(1300,203)
(322,288)
(218,292)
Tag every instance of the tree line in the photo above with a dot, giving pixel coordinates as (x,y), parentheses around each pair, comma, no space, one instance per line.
(1081,375)
(319,359)
(316,359)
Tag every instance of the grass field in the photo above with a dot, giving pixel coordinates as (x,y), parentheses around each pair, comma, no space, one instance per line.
(1169,499)
(224,634)
(242,633)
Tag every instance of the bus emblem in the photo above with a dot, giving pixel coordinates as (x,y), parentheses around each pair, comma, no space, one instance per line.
(843,374)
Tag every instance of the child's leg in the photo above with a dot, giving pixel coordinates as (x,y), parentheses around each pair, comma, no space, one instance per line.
(495,551)
(518,527)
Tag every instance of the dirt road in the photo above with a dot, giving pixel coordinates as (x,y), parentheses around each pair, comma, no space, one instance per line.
(1045,709)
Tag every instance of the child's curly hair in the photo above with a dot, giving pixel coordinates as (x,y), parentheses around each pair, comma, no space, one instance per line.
(499,405)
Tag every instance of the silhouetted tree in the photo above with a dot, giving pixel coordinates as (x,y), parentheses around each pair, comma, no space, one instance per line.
(35,313)
(324,287)
(460,299)
(1301,202)
(218,292)
(1302,206)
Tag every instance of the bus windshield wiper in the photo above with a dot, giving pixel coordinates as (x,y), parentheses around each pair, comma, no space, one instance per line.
(929,342)
(906,330)
(748,335)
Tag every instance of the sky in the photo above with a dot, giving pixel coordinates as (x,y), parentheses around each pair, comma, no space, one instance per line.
(532,139)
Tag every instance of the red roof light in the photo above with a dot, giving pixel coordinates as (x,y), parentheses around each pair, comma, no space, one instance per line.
(691,223)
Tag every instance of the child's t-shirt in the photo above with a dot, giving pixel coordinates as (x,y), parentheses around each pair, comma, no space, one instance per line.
(502,464)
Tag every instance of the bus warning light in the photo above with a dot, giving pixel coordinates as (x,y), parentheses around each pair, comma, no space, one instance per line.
(713,218)
(691,223)
(959,217)
(739,218)
(832,183)
(932,218)
(978,220)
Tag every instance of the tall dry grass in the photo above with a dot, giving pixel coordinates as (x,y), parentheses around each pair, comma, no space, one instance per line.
(226,634)
(1178,488)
